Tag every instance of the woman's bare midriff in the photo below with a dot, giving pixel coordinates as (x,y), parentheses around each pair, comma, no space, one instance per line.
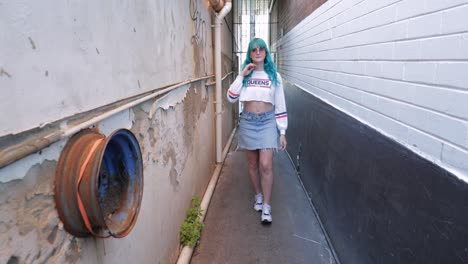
(257,107)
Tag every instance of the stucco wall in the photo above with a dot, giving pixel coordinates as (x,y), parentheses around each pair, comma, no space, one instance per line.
(396,65)
(61,59)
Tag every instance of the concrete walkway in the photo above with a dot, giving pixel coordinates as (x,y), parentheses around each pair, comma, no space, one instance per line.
(233,232)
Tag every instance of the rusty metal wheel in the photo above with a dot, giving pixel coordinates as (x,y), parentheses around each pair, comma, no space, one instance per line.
(99,184)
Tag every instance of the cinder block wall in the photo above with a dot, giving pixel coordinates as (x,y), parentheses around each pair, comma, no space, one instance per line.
(377,102)
(398,66)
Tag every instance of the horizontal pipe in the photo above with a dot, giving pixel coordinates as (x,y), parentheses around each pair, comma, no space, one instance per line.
(32,145)
(224,77)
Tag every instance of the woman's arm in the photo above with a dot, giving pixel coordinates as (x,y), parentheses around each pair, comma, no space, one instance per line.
(280,108)
(234,90)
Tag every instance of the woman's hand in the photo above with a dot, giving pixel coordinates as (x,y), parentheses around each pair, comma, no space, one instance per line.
(248,69)
(283,142)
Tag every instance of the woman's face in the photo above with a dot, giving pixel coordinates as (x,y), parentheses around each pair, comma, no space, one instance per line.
(258,55)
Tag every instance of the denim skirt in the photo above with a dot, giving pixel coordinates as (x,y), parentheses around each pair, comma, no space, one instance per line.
(257,131)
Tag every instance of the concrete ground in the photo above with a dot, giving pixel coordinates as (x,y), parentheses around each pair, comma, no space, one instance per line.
(233,232)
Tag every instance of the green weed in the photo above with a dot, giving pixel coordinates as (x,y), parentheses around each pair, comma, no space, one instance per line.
(190,230)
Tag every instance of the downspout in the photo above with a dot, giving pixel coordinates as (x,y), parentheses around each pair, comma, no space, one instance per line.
(272,2)
(218,71)
(222,8)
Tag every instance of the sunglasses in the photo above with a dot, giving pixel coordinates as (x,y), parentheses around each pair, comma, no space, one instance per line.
(260,49)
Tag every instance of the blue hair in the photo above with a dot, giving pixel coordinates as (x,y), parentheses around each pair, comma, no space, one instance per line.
(269,65)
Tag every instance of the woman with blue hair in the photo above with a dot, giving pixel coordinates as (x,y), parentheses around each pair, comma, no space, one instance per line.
(259,87)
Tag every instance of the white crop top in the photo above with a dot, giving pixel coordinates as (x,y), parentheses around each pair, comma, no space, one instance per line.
(260,88)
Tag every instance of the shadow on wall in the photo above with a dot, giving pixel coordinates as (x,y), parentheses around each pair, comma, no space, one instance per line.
(378,201)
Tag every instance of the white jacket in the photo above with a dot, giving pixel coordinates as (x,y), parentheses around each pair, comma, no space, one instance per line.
(260,88)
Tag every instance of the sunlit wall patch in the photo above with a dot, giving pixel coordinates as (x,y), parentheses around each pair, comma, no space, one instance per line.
(99,184)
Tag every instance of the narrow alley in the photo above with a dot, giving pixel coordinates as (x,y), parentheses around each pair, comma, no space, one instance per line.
(117,117)
(233,232)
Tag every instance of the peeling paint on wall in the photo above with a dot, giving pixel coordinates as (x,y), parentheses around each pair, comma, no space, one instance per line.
(165,121)
(124,119)
(19,169)
(176,133)
(170,157)
(169,100)
(30,229)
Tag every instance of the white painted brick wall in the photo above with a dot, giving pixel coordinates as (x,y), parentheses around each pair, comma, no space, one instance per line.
(400,66)
(445,48)
(425,26)
(422,72)
(437,5)
(453,74)
(452,20)
(409,8)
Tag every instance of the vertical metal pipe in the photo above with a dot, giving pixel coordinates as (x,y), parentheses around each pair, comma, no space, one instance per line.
(218,89)
(218,72)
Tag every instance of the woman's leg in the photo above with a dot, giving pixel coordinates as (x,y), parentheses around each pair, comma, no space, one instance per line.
(252,163)
(266,172)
